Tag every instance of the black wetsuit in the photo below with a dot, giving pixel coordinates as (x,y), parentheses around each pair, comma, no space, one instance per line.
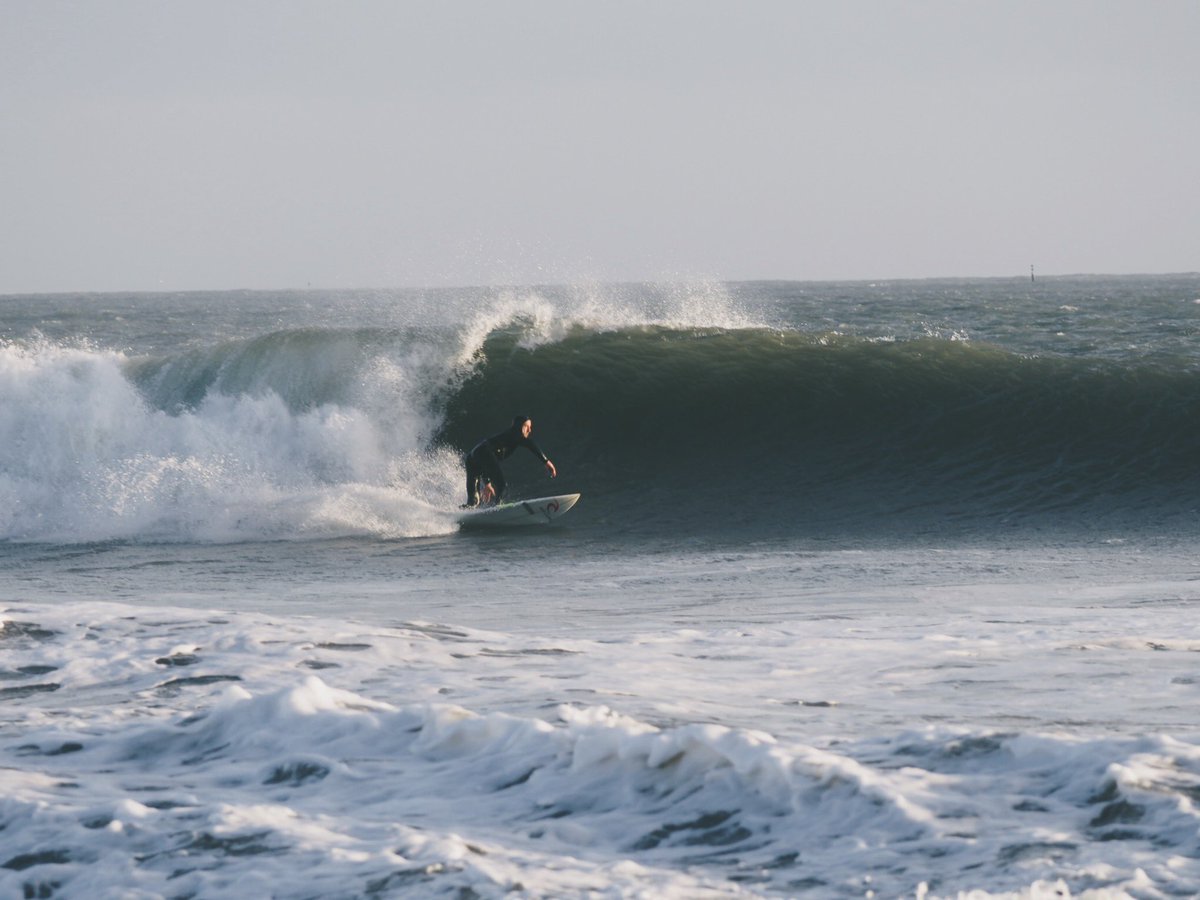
(484,460)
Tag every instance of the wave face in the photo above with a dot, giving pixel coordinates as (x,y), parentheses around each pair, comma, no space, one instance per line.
(787,430)
(672,412)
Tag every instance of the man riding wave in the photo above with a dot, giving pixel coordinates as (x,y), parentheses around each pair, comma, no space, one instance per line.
(483,461)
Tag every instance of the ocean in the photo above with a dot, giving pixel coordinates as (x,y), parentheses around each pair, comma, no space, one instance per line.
(875,589)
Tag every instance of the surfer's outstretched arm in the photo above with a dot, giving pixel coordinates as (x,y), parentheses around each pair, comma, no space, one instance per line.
(550,468)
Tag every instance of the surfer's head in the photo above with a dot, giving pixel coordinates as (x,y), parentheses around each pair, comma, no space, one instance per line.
(523,424)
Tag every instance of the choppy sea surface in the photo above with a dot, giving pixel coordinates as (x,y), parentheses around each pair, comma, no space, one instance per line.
(875,589)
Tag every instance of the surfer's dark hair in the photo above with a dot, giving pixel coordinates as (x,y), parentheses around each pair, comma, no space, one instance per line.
(518,421)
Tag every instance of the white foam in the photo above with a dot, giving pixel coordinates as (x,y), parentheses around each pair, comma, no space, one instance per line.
(187,752)
(86,458)
(548,315)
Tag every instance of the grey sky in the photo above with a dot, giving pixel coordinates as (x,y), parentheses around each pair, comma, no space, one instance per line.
(180,145)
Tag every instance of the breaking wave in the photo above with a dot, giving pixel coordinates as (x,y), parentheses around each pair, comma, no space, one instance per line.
(322,430)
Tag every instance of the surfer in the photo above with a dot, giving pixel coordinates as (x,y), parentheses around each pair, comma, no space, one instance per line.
(483,462)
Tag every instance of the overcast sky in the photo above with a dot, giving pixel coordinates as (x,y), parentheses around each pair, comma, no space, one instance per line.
(206,145)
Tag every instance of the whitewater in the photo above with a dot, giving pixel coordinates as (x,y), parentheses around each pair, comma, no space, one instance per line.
(875,590)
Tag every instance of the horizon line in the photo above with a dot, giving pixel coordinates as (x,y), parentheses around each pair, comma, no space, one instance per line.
(1023,277)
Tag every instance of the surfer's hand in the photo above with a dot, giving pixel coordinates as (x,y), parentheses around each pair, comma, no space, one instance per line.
(550,468)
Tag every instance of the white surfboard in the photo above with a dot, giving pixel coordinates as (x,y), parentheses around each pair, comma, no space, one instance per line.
(519,512)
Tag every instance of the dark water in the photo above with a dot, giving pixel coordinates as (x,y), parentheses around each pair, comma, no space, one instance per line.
(792,432)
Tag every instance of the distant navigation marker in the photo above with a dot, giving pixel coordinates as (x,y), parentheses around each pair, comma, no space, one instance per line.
(1031,278)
